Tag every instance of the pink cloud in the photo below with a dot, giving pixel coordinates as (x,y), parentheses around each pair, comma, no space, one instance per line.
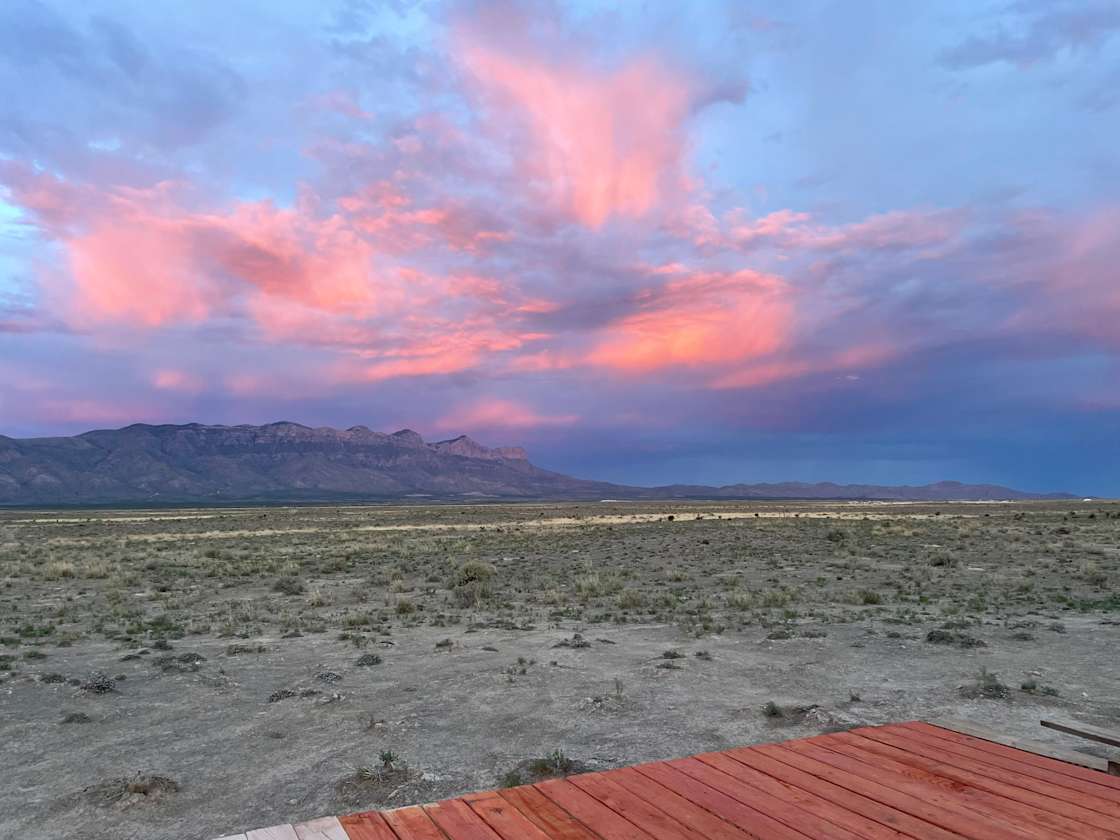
(501,414)
(600,143)
(700,320)
(146,257)
(178,380)
(846,361)
(796,231)
(141,256)
(430,364)
(1082,289)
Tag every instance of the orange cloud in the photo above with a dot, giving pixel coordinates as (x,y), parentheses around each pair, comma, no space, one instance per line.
(702,319)
(504,414)
(603,144)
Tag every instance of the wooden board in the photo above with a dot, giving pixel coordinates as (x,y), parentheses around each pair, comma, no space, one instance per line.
(368,825)
(974,730)
(752,821)
(997,800)
(1057,777)
(456,819)
(324,828)
(549,817)
(590,811)
(839,818)
(413,823)
(276,832)
(841,798)
(504,818)
(1101,798)
(1091,769)
(1084,730)
(654,821)
(683,809)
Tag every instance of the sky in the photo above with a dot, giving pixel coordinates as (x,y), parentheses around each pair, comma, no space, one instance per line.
(701,241)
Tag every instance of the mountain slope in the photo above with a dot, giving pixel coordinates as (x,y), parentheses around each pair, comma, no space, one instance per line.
(291,462)
(277,461)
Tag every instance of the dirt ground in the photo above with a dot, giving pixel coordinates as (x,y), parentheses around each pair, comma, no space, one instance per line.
(190,673)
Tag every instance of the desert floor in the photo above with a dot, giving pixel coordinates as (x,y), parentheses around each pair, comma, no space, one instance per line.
(189,673)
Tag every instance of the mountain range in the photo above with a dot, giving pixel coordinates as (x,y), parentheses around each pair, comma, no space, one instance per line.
(289,462)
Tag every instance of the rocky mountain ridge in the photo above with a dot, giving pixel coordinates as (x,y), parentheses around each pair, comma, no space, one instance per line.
(289,462)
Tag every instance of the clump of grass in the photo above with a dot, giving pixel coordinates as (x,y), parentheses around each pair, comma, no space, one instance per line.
(631,599)
(556,763)
(952,637)
(58,569)
(739,600)
(390,766)
(237,649)
(472,583)
(943,559)
(289,586)
(99,682)
(987,686)
(1032,686)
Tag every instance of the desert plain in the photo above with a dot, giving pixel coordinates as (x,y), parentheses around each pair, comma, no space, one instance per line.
(187,673)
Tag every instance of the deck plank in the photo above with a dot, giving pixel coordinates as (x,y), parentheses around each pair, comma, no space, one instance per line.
(1084,730)
(957,804)
(844,798)
(654,821)
(996,801)
(505,818)
(546,814)
(915,800)
(412,823)
(842,818)
(1057,778)
(967,732)
(590,811)
(1097,797)
(754,822)
(695,816)
(274,832)
(459,822)
(1087,810)
(791,815)
(324,828)
(367,825)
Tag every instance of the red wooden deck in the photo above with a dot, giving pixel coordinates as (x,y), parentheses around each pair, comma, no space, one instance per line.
(904,780)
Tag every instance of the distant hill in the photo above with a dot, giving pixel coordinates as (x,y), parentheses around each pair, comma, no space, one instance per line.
(194,463)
